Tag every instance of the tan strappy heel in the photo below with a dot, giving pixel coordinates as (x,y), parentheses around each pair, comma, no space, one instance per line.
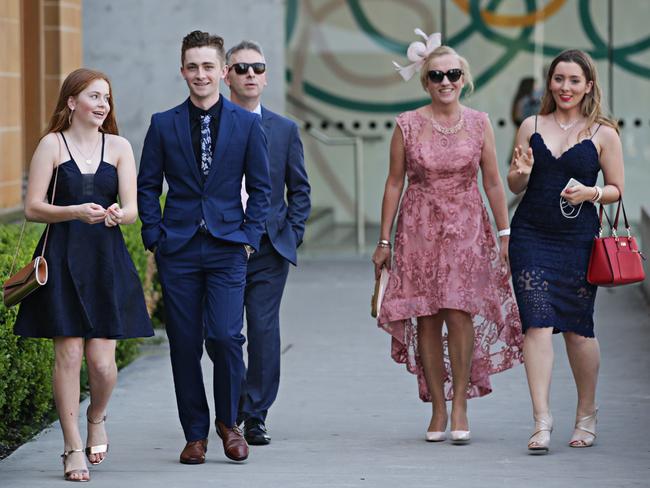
(67,475)
(100,448)
(585,424)
(543,429)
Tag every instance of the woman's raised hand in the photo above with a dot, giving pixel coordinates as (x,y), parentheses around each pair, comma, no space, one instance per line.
(523,160)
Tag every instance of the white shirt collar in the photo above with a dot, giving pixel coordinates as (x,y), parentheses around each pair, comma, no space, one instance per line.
(258,110)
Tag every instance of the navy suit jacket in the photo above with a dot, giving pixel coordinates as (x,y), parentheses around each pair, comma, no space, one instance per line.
(241,149)
(285,223)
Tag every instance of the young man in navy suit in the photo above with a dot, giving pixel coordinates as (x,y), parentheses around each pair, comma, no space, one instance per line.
(283,232)
(203,238)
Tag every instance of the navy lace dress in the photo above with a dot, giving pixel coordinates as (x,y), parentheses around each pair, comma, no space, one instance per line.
(549,253)
(93,289)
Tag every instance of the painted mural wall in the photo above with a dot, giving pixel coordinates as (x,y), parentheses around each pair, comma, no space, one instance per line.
(341,82)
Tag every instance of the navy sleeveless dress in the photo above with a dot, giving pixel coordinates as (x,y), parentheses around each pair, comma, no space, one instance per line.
(93,289)
(549,253)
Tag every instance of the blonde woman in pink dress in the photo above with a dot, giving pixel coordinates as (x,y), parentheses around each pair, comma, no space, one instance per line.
(447,267)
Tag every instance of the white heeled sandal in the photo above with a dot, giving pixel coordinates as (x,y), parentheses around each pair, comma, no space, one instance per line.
(586,424)
(542,434)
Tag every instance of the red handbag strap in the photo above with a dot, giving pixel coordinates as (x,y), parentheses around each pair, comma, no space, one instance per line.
(602,212)
(627,225)
(618,212)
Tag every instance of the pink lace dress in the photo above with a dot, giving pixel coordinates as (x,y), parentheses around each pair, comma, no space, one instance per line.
(446,256)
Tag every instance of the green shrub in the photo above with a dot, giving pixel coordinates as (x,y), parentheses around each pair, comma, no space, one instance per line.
(145,264)
(25,364)
(26,402)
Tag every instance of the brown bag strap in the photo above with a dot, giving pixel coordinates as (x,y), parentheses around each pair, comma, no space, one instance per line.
(20,239)
(56,176)
(47,229)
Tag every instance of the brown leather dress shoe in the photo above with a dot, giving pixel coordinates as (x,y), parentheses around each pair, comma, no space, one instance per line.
(234,444)
(194,452)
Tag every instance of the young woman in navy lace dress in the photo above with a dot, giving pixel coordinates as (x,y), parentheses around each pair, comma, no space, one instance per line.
(552,233)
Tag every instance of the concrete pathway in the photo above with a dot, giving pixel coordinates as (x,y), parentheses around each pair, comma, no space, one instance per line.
(347,416)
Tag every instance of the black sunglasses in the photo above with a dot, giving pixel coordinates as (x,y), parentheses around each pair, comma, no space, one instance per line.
(453,75)
(242,68)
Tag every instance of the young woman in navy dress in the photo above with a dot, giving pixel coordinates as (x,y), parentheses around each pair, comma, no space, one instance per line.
(550,245)
(93,295)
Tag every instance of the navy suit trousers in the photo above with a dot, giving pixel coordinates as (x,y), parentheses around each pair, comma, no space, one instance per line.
(203,291)
(265,280)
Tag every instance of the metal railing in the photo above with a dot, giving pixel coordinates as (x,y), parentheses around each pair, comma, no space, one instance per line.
(357,143)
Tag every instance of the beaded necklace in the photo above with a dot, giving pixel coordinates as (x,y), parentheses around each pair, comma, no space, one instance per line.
(449,130)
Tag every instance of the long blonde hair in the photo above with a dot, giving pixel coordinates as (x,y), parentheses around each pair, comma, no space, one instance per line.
(444,51)
(591,106)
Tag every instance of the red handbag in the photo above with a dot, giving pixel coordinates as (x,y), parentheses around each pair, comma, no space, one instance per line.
(615,260)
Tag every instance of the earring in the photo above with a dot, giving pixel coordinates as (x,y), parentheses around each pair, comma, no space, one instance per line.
(70,116)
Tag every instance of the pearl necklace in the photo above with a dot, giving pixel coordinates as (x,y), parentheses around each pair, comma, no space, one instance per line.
(565,127)
(448,130)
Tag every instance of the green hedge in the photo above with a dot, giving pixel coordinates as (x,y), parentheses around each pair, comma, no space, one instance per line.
(26,402)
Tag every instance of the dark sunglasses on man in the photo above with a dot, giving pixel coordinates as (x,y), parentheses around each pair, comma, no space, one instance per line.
(453,75)
(242,68)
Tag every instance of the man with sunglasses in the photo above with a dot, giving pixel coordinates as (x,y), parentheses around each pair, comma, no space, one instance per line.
(284,228)
(202,240)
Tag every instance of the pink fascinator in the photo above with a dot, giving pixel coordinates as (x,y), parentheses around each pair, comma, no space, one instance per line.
(417,53)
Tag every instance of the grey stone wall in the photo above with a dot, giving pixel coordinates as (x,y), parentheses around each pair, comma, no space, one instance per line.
(644,232)
(137,43)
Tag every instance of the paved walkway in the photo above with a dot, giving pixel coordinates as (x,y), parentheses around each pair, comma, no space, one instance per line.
(347,416)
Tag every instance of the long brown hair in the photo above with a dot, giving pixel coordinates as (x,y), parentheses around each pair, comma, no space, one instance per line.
(73,85)
(590,107)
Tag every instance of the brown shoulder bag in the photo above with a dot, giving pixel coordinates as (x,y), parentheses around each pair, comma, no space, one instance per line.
(35,273)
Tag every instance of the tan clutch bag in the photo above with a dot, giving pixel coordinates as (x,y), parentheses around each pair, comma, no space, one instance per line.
(378,294)
(25,281)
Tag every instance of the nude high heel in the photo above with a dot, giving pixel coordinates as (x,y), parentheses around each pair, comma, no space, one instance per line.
(586,424)
(97,449)
(542,434)
(460,437)
(69,473)
(433,436)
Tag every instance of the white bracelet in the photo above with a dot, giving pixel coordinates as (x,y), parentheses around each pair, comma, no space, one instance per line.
(599,194)
(504,232)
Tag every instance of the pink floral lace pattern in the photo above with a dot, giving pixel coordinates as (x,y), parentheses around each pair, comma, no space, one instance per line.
(446,256)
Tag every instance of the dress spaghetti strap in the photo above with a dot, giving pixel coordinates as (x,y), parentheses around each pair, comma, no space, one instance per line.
(101,157)
(592,135)
(66,145)
(535,122)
